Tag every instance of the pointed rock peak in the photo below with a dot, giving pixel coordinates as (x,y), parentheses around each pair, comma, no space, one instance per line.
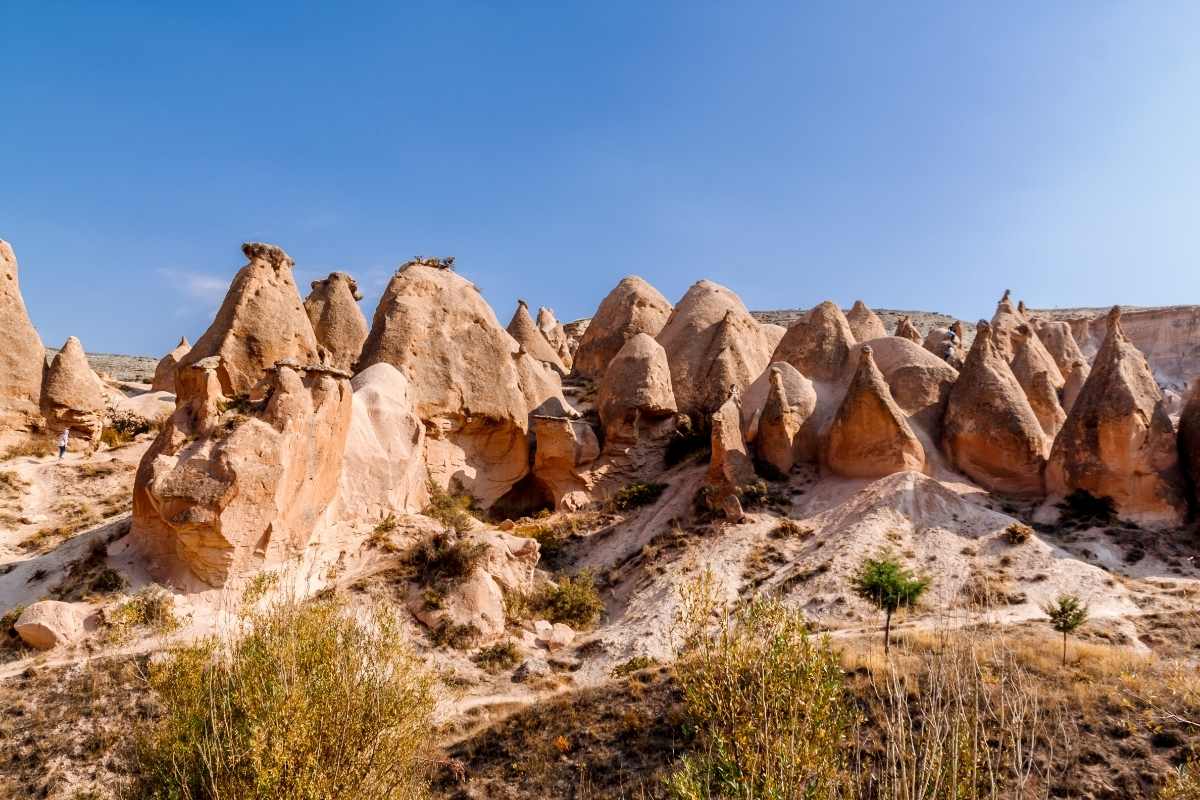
(1113,322)
(818,345)
(632,307)
(859,306)
(1007,295)
(957,329)
(546,318)
(906,330)
(865,324)
(522,304)
(273,255)
(1021,307)
(73,349)
(183,342)
(531,339)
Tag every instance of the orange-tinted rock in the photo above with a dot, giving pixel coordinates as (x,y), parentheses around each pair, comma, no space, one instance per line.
(1039,377)
(1118,441)
(864,323)
(713,345)
(72,396)
(632,307)
(1060,344)
(1076,379)
(946,344)
(164,370)
(919,381)
(989,431)
(784,432)
(636,386)
(531,339)
(565,449)
(730,467)
(1004,322)
(870,436)
(556,335)
(818,344)
(22,356)
(1189,440)
(261,322)
(337,321)
(906,330)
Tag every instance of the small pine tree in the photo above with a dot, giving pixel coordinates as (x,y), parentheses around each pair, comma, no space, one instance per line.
(1066,613)
(889,586)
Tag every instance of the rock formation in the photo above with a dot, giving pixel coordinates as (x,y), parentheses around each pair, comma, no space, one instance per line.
(906,330)
(1039,377)
(532,340)
(784,433)
(1004,322)
(818,344)
(433,325)
(237,485)
(864,323)
(1167,337)
(636,389)
(919,382)
(870,436)
(261,322)
(1189,441)
(565,449)
(632,307)
(713,345)
(383,466)
(337,321)
(1076,378)
(555,334)
(1118,441)
(51,623)
(730,468)
(72,396)
(990,431)
(1056,337)
(773,334)
(947,344)
(164,370)
(22,356)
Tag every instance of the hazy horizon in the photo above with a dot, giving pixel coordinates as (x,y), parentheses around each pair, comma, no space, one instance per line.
(918,157)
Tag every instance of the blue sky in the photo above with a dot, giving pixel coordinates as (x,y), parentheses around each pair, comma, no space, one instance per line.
(916,155)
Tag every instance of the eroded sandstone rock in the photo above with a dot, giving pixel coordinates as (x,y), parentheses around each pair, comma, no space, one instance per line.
(870,436)
(1060,344)
(72,396)
(565,449)
(818,345)
(337,321)
(636,387)
(164,370)
(47,624)
(784,431)
(632,307)
(906,330)
(731,467)
(22,356)
(532,340)
(864,323)
(1039,377)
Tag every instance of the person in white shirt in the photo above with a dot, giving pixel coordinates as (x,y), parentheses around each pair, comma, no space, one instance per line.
(63,438)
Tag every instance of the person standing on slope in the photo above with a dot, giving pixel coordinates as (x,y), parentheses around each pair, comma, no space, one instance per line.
(63,438)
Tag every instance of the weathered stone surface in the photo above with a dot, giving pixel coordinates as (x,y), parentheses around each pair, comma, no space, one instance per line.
(383,465)
(798,389)
(1059,342)
(730,467)
(164,371)
(870,436)
(556,335)
(230,486)
(1039,377)
(989,430)
(531,339)
(947,344)
(906,330)
(1118,441)
(864,323)
(919,381)
(713,345)
(784,429)
(72,396)
(261,322)
(337,321)
(1168,337)
(632,307)
(1076,378)
(773,334)
(565,449)
(49,623)
(1004,322)
(433,325)
(819,344)
(636,385)
(1189,441)
(22,356)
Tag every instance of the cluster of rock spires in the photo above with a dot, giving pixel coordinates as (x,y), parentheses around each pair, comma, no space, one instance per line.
(294,418)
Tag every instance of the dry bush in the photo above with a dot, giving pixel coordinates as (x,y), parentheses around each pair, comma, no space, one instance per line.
(552,531)
(444,558)
(455,510)
(497,657)
(150,607)
(573,600)
(309,703)
(636,495)
(1017,533)
(37,447)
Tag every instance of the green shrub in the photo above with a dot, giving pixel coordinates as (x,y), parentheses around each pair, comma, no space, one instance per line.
(497,657)
(635,664)
(456,511)
(122,427)
(638,494)
(150,607)
(444,558)
(573,601)
(768,705)
(310,703)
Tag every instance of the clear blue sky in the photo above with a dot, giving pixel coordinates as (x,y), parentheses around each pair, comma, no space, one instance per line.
(916,155)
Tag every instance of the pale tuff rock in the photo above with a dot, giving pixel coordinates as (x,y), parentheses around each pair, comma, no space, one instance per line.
(713,345)
(785,433)
(1076,379)
(434,326)
(730,467)
(337,321)
(919,381)
(636,386)
(798,389)
(50,623)
(1189,440)
(261,321)
(1166,337)
(556,335)
(818,345)
(541,386)
(947,344)
(906,330)
(532,340)
(231,487)
(383,466)
(990,431)
(773,334)
(1118,441)
(22,356)
(1060,344)
(565,449)
(869,436)
(164,371)
(864,323)
(1004,322)
(632,307)
(72,396)
(1039,377)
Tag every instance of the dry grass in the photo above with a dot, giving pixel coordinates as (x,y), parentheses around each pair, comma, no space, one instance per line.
(34,448)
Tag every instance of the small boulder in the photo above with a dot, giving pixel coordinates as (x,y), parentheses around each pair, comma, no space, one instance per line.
(49,623)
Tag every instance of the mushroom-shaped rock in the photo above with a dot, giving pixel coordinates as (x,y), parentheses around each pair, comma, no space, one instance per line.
(636,386)
(565,449)
(906,330)
(50,623)
(730,467)
(818,344)
(531,339)
(989,430)
(72,396)
(1076,378)
(164,370)
(1118,441)
(864,323)
(1039,377)
(337,321)
(434,326)
(1060,343)
(870,436)
(234,486)
(632,307)
(22,356)
(383,465)
(260,323)
(713,345)
(785,433)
